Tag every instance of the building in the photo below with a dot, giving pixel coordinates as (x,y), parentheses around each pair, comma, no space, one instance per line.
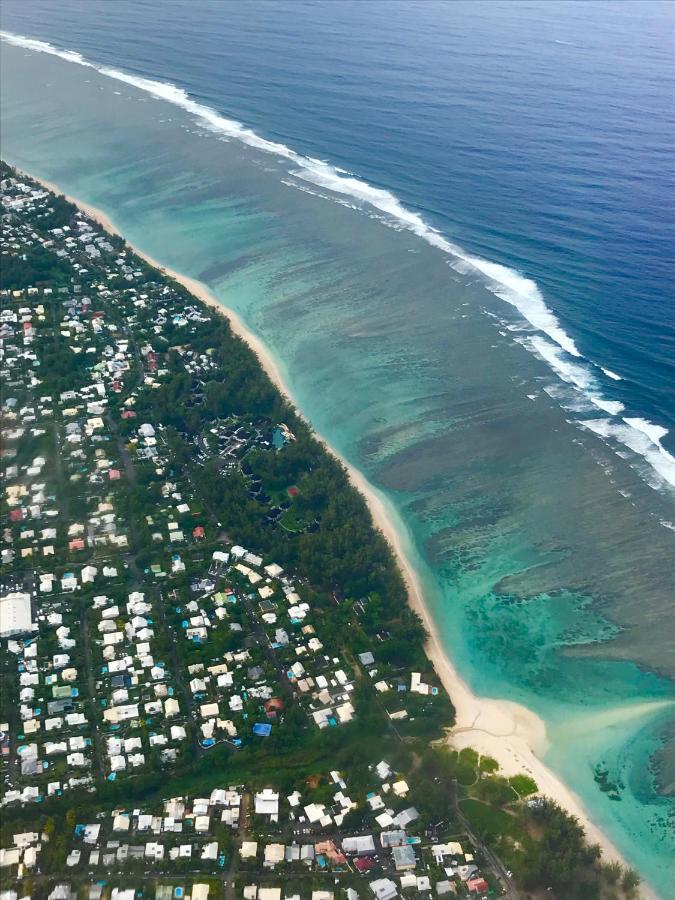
(404,858)
(16,614)
(363,845)
(267,804)
(384,888)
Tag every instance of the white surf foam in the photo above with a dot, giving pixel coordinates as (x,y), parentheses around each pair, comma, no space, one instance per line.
(571,372)
(44,47)
(511,286)
(643,438)
(613,407)
(577,374)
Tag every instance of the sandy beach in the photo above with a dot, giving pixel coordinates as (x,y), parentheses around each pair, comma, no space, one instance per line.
(509,732)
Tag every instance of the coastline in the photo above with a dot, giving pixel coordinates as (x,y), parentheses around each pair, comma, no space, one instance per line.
(511,733)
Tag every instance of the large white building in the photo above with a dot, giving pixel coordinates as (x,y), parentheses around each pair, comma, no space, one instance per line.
(15,614)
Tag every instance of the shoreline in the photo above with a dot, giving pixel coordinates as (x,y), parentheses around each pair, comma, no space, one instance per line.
(507,731)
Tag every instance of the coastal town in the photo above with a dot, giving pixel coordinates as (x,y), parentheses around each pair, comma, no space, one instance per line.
(212,684)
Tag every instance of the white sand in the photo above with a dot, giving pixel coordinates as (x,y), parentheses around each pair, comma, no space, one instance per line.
(509,732)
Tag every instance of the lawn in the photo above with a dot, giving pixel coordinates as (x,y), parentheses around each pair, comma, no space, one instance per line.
(291,521)
(487,820)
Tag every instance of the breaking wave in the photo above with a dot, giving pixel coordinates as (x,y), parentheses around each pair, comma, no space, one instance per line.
(557,349)
(644,439)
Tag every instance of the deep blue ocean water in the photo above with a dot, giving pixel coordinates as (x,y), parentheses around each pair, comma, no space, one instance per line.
(533,136)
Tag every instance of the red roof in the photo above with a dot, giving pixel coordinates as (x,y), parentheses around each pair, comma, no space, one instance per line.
(477,885)
(363,863)
(198,532)
(16,515)
(114,475)
(273,706)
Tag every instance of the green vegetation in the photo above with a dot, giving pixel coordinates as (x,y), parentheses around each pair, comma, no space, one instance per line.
(488,822)
(523,785)
(544,846)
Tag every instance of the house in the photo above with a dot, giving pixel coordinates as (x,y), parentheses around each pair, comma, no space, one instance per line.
(407,816)
(316,812)
(274,854)
(121,822)
(384,889)
(248,849)
(202,824)
(404,858)
(392,839)
(267,804)
(88,574)
(171,707)
(91,833)
(69,582)
(383,770)
(364,845)
(400,788)
(210,851)
(328,849)
(200,891)
(10,857)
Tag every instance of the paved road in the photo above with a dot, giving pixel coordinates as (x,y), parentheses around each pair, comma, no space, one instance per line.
(242,835)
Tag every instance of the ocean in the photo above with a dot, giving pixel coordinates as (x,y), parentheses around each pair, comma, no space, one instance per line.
(452,225)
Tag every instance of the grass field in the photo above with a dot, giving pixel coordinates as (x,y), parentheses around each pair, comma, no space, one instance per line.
(487,820)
